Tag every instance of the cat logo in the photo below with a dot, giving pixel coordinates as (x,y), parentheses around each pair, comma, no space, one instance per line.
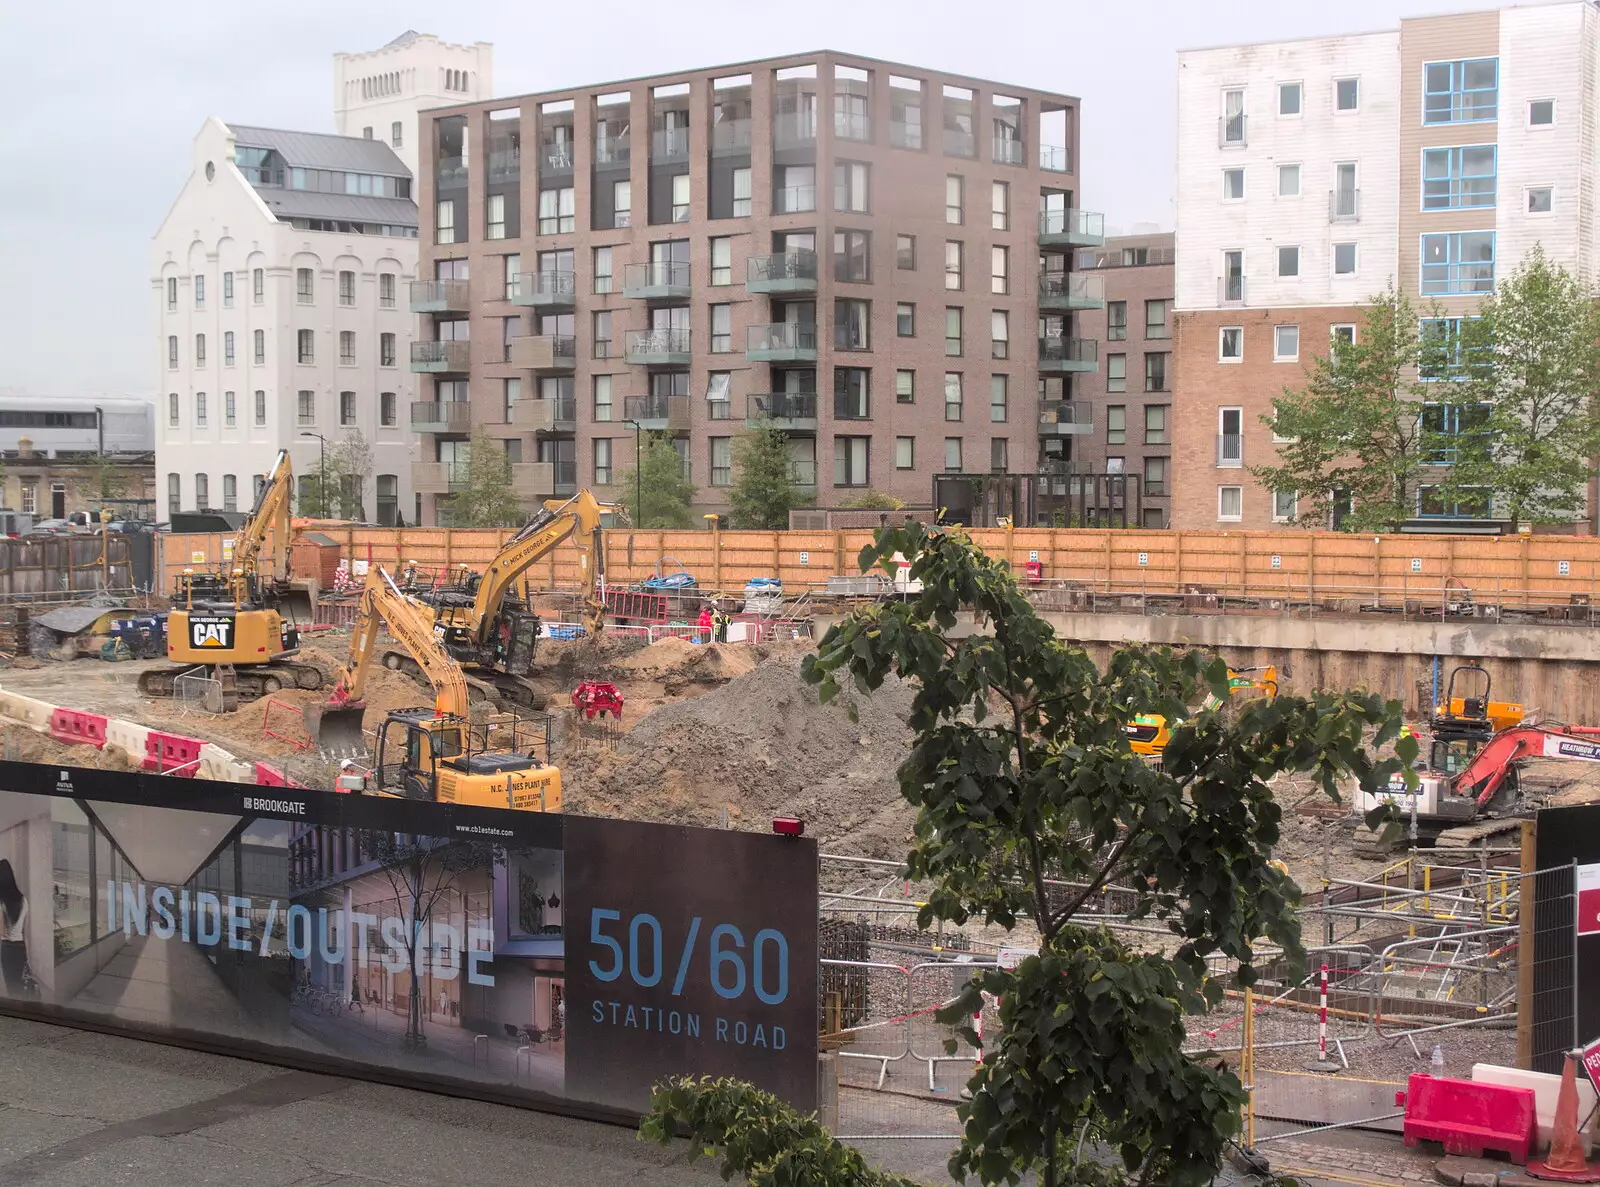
(212,630)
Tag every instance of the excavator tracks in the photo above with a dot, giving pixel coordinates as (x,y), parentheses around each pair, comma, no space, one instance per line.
(239,685)
(495,689)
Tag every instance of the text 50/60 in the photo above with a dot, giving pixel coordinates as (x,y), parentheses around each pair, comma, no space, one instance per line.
(763,966)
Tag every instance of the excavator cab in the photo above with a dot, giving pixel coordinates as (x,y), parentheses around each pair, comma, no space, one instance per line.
(411,742)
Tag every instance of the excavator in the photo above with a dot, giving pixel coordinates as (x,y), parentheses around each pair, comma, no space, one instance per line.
(444,753)
(487,625)
(1148,734)
(1463,725)
(228,623)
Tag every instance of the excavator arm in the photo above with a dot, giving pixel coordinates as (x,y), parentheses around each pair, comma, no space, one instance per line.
(577,517)
(412,624)
(269,516)
(1489,768)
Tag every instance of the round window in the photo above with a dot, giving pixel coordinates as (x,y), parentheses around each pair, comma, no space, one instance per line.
(211,171)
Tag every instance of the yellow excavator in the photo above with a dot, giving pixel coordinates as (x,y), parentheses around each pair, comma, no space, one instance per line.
(227,622)
(485,619)
(444,753)
(1148,734)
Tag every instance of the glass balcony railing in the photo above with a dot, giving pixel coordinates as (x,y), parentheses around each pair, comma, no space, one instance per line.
(784,271)
(783,340)
(669,144)
(852,126)
(789,406)
(792,129)
(1006,151)
(905,135)
(794,199)
(555,157)
(960,143)
(730,136)
(1053,158)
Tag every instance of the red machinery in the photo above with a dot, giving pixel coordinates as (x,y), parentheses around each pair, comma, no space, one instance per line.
(1494,762)
(593,697)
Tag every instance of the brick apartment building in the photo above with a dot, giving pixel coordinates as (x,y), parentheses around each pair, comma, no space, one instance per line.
(876,259)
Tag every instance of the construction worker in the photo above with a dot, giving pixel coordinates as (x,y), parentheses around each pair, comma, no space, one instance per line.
(721,618)
(704,634)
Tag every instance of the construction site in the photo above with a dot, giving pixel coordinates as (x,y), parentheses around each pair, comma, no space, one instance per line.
(575,667)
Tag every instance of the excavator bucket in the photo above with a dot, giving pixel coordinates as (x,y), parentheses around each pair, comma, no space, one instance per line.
(336,729)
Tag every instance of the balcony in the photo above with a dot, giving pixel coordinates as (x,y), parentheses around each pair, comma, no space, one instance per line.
(553,353)
(849,126)
(668,145)
(662,280)
(555,158)
(1066,418)
(546,290)
(1230,131)
(1053,158)
(1006,152)
(730,138)
(1062,291)
(1344,206)
(959,143)
(437,358)
(785,342)
(803,472)
(658,414)
(658,348)
(791,412)
(566,476)
(782,272)
(544,416)
(1071,228)
(534,480)
(905,135)
(451,171)
(441,296)
(438,478)
(794,199)
(794,129)
(611,146)
(441,416)
(1230,289)
(1065,355)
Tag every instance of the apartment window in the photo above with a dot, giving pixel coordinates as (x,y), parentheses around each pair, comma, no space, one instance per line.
(347,348)
(304,292)
(386,290)
(952,265)
(1344,332)
(1230,503)
(1116,372)
(952,455)
(305,346)
(998,399)
(850,186)
(722,260)
(1285,506)
(174,495)
(230,410)
(1230,436)
(850,460)
(199,292)
(851,324)
(200,410)
(622,204)
(444,220)
(258,285)
(602,461)
(494,217)
(1155,424)
(388,417)
(1285,344)
(999,334)
(905,320)
(952,331)
(172,294)
(199,350)
(1233,185)
(952,395)
(1155,476)
(604,409)
(510,394)
(797,190)
(999,270)
(1539,199)
(905,453)
(1462,262)
(741,192)
(999,455)
(259,345)
(1288,98)
(905,253)
(1230,344)
(721,461)
(1232,132)
(905,387)
(227,290)
(1541,113)
(1432,503)
(1450,422)
(1116,320)
(227,349)
(172,409)
(601,324)
(1000,206)
(557,211)
(851,255)
(1232,276)
(510,327)
(719,385)
(1459,178)
(385,350)
(852,393)
(202,492)
(261,407)
(1116,424)
(602,270)
(1288,261)
(30,496)
(1155,319)
(680,197)
(1155,371)
(396,134)
(1459,92)
(347,408)
(1288,181)
(722,329)
(954,186)
(347,288)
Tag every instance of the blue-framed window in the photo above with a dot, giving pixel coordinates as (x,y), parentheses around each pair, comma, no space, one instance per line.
(1460,262)
(1470,503)
(1440,353)
(1452,421)
(1456,178)
(1459,92)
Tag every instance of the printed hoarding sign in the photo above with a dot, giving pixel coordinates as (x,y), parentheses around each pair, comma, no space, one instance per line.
(211,630)
(381,936)
(1588,912)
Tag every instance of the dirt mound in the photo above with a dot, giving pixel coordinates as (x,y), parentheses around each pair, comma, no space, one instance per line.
(762,746)
(23,745)
(673,659)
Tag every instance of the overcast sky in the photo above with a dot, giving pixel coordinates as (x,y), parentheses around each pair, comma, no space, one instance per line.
(93,154)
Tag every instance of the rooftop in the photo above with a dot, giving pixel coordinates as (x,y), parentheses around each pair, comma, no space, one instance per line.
(321,150)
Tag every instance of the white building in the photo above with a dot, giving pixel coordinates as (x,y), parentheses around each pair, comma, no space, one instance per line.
(281,277)
(377,95)
(1313,173)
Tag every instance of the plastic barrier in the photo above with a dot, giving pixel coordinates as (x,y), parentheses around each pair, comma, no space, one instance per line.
(172,754)
(129,737)
(74,725)
(1546,1087)
(268,775)
(220,764)
(31,713)
(1467,1117)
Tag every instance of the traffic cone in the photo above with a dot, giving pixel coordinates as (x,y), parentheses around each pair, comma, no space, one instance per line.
(1566,1162)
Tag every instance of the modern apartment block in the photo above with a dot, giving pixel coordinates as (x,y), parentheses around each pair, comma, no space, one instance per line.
(1128,402)
(875,259)
(1311,173)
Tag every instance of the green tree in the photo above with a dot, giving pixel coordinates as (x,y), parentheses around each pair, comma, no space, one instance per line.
(658,486)
(763,491)
(1030,802)
(1352,437)
(488,500)
(1531,366)
(872,500)
(105,478)
(333,488)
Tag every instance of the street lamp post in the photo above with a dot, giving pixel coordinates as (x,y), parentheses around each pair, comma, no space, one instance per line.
(638,474)
(322,471)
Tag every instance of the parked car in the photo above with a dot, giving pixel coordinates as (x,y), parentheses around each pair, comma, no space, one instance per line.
(51,527)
